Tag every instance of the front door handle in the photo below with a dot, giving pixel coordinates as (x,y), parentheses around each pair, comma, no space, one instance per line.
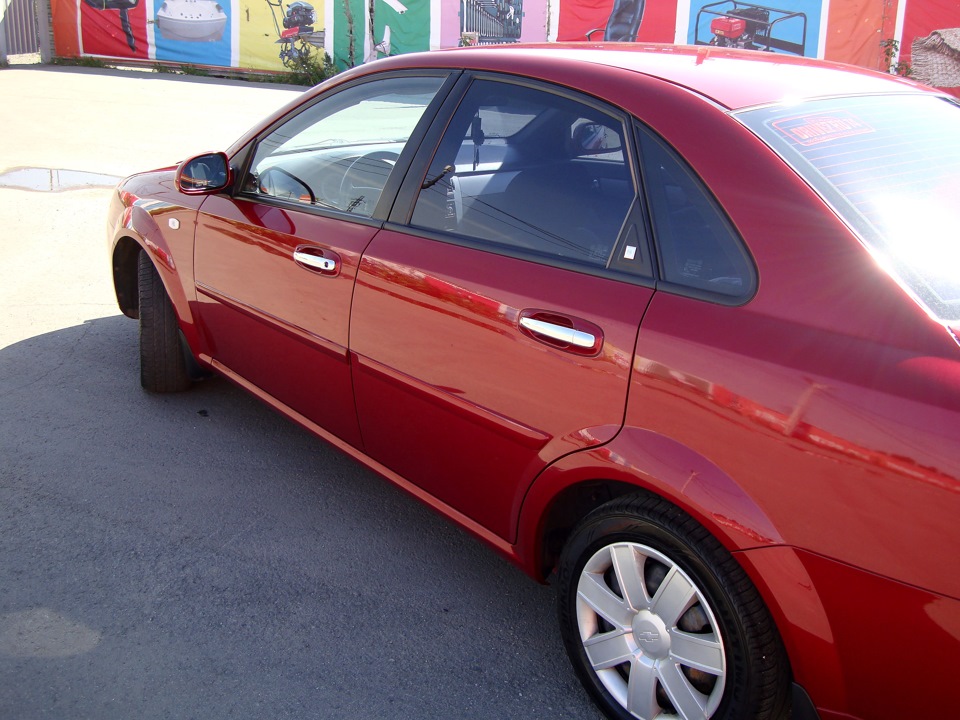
(559,333)
(562,331)
(326,262)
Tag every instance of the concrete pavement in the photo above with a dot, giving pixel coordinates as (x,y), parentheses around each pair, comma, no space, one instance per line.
(121,122)
(195,555)
(54,268)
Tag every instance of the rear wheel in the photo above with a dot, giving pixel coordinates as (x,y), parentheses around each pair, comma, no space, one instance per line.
(660,621)
(163,364)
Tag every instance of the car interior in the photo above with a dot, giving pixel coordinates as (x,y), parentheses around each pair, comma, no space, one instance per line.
(541,187)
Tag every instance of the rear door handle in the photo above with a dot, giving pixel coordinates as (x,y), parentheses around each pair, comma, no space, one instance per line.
(311,257)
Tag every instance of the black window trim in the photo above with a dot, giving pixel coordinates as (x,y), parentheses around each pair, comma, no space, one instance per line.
(505,251)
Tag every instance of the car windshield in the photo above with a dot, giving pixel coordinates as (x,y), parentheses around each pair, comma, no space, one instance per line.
(890,166)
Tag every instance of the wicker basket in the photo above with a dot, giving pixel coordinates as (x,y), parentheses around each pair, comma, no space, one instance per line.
(935,59)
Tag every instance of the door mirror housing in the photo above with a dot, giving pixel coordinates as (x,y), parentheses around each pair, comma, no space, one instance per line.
(204,174)
(594,139)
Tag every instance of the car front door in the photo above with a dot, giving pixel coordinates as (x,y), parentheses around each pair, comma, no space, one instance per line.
(494,321)
(275,263)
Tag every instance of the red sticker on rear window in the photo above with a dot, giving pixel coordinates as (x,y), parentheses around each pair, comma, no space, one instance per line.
(816,129)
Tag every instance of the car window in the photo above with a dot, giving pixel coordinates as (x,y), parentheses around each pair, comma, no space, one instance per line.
(534,173)
(697,246)
(338,153)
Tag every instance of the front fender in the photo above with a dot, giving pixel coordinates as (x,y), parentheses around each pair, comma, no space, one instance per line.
(149,213)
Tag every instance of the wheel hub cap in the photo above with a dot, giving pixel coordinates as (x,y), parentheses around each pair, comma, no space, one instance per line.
(651,635)
(631,601)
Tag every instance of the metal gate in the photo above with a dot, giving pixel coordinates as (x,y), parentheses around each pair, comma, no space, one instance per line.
(19,21)
(484,22)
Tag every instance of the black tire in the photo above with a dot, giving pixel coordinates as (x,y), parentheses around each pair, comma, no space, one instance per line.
(642,561)
(163,364)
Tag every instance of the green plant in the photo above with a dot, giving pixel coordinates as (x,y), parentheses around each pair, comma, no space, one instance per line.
(193,70)
(891,50)
(312,69)
(82,61)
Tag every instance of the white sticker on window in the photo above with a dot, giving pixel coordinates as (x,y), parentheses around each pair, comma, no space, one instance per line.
(630,252)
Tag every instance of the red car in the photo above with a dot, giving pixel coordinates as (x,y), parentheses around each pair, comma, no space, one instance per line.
(675,328)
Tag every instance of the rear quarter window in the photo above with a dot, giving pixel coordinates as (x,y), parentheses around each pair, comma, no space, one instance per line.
(699,251)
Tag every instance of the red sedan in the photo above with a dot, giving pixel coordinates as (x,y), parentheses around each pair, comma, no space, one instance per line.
(675,328)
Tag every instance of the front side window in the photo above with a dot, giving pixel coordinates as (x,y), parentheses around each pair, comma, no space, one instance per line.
(338,153)
(532,173)
(890,166)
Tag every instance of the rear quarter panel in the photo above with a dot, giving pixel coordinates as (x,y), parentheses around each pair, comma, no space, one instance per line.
(832,401)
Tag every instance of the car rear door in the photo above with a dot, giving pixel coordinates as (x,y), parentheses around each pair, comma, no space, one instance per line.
(494,320)
(275,263)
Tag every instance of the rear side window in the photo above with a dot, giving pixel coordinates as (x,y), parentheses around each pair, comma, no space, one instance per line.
(535,174)
(890,166)
(698,249)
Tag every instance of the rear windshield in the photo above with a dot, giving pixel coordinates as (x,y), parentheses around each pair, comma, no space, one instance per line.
(890,165)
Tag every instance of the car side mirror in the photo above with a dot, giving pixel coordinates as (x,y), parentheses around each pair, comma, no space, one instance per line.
(279,183)
(594,139)
(204,174)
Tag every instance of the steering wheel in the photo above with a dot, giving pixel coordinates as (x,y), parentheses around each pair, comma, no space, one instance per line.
(364,180)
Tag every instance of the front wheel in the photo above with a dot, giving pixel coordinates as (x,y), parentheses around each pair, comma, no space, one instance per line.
(660,621)
(163,364)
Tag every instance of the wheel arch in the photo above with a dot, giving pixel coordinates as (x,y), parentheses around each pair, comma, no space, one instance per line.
(124,265)
(574,486)
(637,460)
(126,252)
(565,511)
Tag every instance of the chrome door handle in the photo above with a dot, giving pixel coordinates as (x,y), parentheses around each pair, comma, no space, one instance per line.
(559,333)
(315,261)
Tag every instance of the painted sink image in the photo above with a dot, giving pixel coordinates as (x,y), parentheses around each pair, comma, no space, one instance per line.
(191,20)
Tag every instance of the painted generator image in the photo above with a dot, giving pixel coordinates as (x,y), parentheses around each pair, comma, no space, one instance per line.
(747,26)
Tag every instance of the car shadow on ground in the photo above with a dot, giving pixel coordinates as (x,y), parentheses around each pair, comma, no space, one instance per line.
(197,555)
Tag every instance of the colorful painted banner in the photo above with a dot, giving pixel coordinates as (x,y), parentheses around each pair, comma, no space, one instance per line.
(252,34)
(856,29)
(277,34)
(365,30)
(618,20)
(115,28)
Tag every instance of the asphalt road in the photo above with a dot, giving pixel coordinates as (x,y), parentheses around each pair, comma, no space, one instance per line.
(197,556)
